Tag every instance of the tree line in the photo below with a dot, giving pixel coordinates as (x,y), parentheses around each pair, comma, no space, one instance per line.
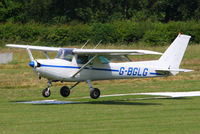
(103,11)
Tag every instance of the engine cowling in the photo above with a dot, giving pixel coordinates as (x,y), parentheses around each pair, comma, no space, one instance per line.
(34,64)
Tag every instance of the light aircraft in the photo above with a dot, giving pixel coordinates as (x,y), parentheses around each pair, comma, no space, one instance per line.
(77,65)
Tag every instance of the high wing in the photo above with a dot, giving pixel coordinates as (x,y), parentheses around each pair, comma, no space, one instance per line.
(41,48)
(114,52)
(89,51)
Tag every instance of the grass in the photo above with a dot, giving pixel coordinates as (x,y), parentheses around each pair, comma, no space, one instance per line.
(124,114)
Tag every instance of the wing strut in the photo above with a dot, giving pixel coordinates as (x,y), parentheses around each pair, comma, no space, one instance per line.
(45,53)
(84,66)
(30,54)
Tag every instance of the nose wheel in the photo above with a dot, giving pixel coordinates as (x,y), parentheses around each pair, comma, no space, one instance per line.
(46,92)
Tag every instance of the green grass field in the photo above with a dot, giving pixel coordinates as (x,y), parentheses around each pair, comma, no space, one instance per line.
(124,114)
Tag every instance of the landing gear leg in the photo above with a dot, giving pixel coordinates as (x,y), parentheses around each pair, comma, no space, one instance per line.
(94,92)
(65,90)
(46,92)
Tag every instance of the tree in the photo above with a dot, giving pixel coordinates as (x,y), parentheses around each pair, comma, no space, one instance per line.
(9,9)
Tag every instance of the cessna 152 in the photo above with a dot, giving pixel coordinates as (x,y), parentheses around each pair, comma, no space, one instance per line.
(77,65)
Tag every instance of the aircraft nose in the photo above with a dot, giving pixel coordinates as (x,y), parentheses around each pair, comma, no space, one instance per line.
(32,64)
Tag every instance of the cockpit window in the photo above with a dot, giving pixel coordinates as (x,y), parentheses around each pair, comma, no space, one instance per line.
(65,54)
(68,57)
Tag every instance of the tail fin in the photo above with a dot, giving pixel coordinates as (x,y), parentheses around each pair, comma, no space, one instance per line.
(172,57)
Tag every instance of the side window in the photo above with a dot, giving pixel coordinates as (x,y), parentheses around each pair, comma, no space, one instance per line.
(82,59)
(104,60)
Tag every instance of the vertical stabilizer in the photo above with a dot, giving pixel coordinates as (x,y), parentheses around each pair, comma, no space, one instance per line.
(173,56)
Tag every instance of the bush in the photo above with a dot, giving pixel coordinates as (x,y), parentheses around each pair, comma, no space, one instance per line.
(57,35)
(152,33)
(8,31)
(105,32)
(191,28)
(28,33)
(156,35)
(80,33)
(126,31)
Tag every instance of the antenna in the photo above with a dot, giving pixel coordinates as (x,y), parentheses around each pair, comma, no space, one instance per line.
(97,44)
(85,44)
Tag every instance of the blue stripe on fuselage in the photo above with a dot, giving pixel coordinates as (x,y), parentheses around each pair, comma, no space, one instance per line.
(102,69)
(42,65)
(74,67)
(156,74)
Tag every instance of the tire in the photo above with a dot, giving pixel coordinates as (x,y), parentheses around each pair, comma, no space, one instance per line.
(95,93)
(64,91)
(46,92)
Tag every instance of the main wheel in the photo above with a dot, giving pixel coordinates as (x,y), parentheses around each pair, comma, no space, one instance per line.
(95,93)
(46,92)
(65,91)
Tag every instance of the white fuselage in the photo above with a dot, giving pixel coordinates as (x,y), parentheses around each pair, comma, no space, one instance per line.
(62,70)
(73,64)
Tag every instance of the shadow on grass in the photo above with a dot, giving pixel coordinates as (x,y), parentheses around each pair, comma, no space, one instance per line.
(102,102)
(114,102)
(177,98)
(120,103)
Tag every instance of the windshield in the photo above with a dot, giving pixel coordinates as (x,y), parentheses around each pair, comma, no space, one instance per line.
(65,54)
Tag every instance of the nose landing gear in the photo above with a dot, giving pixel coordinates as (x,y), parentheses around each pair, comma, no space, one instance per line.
(46,92)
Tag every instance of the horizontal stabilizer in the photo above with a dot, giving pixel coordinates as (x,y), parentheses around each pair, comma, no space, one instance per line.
(174,70)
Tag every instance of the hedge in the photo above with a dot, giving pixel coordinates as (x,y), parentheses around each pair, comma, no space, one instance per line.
(151,33)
